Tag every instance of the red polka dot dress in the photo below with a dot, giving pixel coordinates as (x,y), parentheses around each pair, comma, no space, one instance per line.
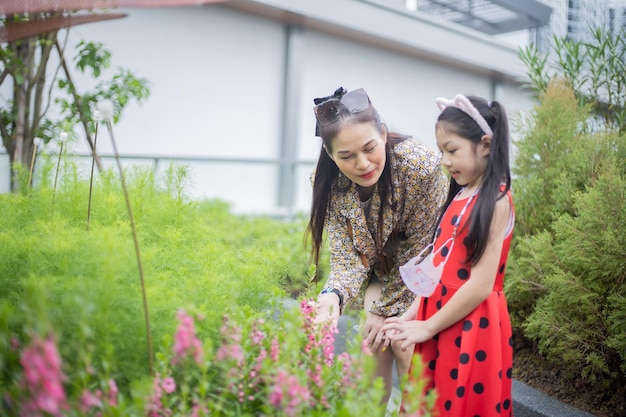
(470,363)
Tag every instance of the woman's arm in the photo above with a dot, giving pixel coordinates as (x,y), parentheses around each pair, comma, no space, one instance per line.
(347,271)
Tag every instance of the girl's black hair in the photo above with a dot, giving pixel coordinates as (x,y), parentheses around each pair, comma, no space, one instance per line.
(455,121)
(327,172)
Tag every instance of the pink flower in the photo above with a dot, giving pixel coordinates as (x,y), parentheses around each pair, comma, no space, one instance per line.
(275,349)
(306,307)
(257,337)
(328,346)
(198,410)
(43,378)
(365,348)
(88,401)
(186,342)
(113,391)
(276,394)
(168,384)
(288,394)
(155,407)
(230,352)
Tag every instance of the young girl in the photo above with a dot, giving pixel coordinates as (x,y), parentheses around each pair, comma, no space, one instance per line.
(377,195)
(462,330)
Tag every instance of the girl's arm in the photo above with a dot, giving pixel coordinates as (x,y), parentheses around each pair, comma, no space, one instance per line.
(469,296)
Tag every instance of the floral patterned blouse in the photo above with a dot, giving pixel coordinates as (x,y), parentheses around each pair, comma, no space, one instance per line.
(420,188)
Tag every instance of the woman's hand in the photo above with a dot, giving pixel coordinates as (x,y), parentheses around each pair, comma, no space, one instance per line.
(327,309)
(408,315)
(371,330)
(407,332)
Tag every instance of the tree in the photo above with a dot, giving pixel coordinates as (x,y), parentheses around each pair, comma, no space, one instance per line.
(596,70)
(41,106)
(566,272)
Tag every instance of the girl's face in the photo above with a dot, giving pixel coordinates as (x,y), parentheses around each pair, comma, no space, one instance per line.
(465,160)
(359,152)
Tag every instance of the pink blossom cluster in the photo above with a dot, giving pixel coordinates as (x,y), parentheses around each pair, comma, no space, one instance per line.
(90,402)
(231,343)
(328,331)
(43,379)
(186,343)
(275,349)
(307,310)
(155,406)
(347,377)
(288,394)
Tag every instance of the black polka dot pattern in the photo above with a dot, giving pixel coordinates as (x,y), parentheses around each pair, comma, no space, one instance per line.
(463,274)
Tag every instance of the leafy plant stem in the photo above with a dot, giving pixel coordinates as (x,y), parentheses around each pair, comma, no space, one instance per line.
(56,177)
(32,165)
(137,251)
(93,160)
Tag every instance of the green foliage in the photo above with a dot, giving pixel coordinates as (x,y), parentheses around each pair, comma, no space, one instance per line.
(595,70)
(273,362)
(565,282)
(56,274)
(556,158)
(92,56)
(579,319)
(121,89)
(44,98)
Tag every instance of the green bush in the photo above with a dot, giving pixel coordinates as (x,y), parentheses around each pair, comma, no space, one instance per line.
(556,157)
(73,340)
(565,282)
(277,362)
(579,317)
(58,272)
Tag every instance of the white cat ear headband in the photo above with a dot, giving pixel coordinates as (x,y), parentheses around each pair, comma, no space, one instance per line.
(462,103)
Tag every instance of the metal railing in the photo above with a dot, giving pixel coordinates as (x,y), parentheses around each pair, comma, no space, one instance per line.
(157,161)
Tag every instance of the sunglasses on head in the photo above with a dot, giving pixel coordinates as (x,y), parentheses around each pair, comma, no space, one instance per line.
(328,109)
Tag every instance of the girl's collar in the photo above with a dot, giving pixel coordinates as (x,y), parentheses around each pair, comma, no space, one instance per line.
(464,193)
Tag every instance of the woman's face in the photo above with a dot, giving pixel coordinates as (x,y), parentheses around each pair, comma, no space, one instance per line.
(359,152)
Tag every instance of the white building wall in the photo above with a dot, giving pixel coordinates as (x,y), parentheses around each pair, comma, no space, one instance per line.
(217,79)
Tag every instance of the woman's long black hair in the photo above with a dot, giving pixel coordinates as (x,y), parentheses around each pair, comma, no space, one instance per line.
(327,172)
(455,121)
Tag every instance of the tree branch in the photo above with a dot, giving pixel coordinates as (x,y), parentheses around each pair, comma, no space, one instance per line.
(40,80)
(77,102)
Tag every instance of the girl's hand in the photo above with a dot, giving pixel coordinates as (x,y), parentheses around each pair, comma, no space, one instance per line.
(371,330)
(407,316)
(327,309)
(407,332)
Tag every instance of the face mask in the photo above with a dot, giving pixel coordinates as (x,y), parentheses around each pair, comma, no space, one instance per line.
(422,277)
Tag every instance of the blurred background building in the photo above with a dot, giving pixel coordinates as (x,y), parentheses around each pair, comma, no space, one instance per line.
(576,18)
(233,83)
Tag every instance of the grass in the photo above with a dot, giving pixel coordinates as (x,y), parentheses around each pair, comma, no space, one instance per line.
(84,282)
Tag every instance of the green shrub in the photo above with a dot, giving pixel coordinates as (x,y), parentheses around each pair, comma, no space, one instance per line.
(84,282)
(556,157)
(277,362)
(580,318)
(565,282)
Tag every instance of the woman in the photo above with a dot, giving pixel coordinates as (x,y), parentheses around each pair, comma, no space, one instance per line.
(377,194)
